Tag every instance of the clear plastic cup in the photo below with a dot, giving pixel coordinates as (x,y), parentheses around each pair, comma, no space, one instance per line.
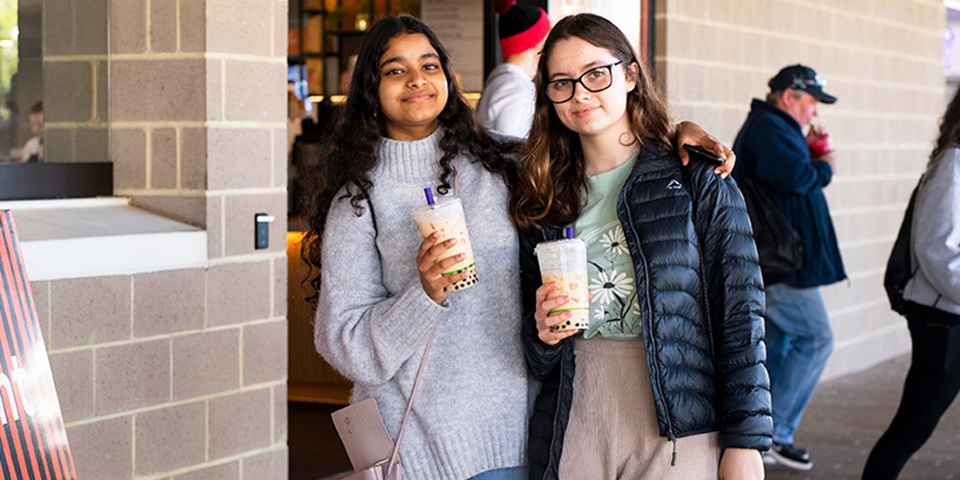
(446,217)
(565,262)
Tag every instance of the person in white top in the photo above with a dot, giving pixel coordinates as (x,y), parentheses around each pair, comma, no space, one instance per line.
(506,105)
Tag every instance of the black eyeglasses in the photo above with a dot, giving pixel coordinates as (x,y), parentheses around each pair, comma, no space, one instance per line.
(595,80)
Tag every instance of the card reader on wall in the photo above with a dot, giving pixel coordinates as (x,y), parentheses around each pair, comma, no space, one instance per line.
(261,230)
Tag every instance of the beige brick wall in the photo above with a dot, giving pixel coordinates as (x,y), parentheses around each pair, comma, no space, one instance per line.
(182,374)
(882,59)
(75,59)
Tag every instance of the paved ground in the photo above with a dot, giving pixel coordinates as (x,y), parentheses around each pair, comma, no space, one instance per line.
(842,422)
(847,415)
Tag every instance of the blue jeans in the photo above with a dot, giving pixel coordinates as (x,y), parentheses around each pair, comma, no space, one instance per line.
(799,342)
(515,473)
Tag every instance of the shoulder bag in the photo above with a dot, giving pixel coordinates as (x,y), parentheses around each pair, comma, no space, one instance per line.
(779,246)
(389,468)
(899,271)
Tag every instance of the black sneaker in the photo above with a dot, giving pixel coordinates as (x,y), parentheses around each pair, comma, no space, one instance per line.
(790,456)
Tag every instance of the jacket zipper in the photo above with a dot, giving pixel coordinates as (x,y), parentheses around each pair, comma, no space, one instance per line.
(556,414)
(653,338)
(706,311)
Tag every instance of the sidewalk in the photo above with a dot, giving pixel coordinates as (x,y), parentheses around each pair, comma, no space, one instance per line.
(846,417)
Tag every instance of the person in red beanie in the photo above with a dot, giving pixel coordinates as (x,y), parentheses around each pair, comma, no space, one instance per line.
(506,105)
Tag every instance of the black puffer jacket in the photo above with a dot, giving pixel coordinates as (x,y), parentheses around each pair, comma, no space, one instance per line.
(706,364)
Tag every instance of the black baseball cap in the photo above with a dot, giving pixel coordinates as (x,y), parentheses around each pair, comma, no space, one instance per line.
(803,78)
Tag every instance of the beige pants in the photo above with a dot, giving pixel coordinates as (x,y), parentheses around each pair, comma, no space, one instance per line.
(612,432)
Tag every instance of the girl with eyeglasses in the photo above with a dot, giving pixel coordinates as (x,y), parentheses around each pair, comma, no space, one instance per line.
(668,381)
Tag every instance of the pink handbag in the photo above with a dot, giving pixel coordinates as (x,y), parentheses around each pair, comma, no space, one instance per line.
(389,468)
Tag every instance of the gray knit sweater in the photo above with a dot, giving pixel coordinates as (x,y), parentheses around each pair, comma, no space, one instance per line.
(936,236)
(374,319)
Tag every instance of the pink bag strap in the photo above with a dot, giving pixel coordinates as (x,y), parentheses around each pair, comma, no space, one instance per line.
(413,394)
(456,177)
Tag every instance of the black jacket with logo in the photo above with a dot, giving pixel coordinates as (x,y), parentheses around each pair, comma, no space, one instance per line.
(703,339)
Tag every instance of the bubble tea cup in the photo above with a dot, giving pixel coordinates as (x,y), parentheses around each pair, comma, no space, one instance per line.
(565,262)
(446,216)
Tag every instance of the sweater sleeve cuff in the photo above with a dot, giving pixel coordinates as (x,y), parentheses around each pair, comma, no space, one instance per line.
(420,316)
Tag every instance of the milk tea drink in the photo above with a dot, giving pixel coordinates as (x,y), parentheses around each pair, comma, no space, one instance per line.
(446,216)
(565,262)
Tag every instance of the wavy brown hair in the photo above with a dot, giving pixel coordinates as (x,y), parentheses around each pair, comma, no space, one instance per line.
(552,176)
(352,147)
(949,128)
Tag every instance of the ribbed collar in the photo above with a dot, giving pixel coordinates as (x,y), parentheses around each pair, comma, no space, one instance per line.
(411,161)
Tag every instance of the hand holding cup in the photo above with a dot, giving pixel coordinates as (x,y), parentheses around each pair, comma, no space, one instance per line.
(547,323)
(819,142)
(563,264)
(431,267)
(445,258)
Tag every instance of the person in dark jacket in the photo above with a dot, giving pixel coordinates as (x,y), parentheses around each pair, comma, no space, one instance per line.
(668,381)
(793,169)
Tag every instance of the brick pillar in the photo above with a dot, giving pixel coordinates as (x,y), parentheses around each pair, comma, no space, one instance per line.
(197,132)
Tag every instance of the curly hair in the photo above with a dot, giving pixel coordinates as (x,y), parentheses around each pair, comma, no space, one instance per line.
(949,133)
(344,169)
(552,174)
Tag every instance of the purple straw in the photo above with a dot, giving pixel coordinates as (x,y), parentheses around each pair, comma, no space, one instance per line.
(429,193)
(568,232)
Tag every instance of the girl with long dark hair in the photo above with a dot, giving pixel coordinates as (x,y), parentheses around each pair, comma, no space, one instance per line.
(406,126)
(668,381)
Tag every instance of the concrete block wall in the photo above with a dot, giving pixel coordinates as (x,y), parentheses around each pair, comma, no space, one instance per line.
(181,374)
(75,61)
(882,59)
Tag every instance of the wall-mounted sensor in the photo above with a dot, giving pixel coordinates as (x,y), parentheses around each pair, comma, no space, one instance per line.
(261,230)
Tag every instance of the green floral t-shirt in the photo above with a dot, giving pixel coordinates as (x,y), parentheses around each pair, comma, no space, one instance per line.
(614,308)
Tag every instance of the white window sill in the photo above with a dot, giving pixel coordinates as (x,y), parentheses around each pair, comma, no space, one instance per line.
(97,237)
